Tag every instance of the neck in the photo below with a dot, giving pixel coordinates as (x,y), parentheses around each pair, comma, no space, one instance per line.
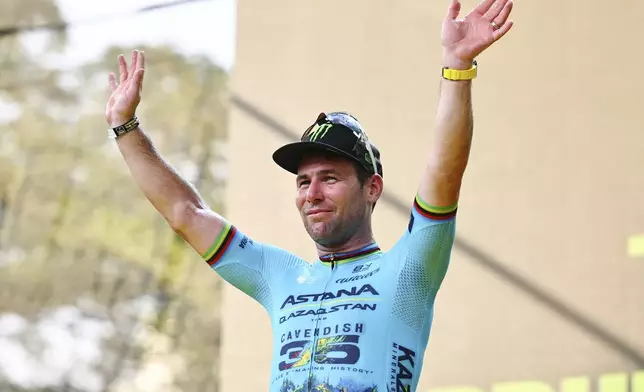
(360,240)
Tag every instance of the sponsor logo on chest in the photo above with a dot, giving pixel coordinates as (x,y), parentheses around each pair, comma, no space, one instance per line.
(329,295)
(360,298)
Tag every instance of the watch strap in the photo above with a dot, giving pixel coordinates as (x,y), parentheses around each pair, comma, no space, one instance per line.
(460,74)
(127,127)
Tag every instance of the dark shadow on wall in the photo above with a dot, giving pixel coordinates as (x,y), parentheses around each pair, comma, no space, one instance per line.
(486,261)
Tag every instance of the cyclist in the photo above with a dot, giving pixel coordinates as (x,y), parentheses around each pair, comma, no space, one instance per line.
(357,318)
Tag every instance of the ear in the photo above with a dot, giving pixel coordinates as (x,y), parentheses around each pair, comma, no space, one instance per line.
(375,186)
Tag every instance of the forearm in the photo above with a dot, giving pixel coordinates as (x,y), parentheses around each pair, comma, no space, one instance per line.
(170,194)
(450,147)
(454,126)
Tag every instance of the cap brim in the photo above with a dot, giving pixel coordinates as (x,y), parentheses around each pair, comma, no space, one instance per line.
(290,155)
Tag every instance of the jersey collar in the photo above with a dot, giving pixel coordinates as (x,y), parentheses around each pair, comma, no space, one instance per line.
(347,257)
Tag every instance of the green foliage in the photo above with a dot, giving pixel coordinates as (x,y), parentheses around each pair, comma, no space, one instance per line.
(74,228)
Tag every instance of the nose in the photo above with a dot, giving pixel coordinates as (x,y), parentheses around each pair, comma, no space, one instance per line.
(314,192)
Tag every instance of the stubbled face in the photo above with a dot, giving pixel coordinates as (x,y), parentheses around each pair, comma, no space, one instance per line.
(332,204)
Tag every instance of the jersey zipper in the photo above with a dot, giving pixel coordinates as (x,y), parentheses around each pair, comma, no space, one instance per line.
(317,324)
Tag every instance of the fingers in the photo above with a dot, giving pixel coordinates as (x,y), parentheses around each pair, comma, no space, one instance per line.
(122,68)
(138,70)
(498,34)
(138,62)
(141,60)
(505,13)
(133,65)
(111,78)
(454,9)
(137,80)
(495,10)
(483,7)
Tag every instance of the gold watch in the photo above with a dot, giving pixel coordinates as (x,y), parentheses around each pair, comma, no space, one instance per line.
(460,74)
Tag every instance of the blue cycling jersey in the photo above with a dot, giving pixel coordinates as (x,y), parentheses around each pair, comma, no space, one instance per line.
(352,322)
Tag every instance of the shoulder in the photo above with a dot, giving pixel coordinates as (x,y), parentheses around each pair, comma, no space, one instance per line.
(424,214)
(234,246)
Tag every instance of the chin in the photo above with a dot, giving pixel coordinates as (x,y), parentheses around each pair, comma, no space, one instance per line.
(318,230)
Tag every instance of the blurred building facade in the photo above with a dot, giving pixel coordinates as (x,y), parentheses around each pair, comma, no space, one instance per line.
(545,288)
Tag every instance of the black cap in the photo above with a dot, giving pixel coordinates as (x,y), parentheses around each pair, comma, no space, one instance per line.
(339,133)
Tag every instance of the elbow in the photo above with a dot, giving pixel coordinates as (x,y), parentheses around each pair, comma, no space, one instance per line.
(182,216)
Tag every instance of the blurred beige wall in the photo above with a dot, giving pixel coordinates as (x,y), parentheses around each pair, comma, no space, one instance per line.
(552,193)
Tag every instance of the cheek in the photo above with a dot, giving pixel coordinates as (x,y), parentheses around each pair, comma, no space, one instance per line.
(342,199)
(299,199)
(355,202)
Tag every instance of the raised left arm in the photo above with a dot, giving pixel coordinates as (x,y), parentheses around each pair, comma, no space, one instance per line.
(463,40)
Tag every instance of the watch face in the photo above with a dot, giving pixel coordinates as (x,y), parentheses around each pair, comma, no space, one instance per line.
(125,128)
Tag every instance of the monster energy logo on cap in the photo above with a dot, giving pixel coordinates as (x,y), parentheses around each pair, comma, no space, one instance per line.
(319,132)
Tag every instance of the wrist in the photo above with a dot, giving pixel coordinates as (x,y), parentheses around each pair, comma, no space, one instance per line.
(121,128)
(117,121)
(453,62)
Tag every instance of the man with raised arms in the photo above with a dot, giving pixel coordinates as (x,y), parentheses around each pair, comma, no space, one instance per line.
(357,318)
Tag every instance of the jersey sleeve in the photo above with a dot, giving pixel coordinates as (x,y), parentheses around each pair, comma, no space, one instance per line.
(248,265)
(421,257)
(426,245)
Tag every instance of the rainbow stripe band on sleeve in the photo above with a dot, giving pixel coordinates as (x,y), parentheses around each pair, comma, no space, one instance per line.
(432,212)
(219,246)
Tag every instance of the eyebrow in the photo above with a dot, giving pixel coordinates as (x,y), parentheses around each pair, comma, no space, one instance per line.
(321,172)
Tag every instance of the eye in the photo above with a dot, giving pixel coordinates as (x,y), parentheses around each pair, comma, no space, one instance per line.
(330,179)
(303,183)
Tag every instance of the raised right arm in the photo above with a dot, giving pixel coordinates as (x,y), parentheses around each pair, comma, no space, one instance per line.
(250,266)
(175,199)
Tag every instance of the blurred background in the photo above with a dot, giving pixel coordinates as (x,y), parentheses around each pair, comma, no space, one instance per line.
(546,288)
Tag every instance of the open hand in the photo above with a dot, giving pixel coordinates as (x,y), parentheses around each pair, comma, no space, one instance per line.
(466,38)
(126,95)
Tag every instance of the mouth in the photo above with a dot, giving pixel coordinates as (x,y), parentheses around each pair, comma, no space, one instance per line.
(316,212)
